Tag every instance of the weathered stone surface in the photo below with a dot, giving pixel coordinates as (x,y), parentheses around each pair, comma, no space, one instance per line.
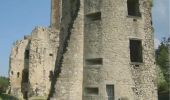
(40,61)
(16,66)
(91,51)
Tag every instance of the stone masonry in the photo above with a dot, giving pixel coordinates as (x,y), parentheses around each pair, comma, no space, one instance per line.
(93,50)
(32,63)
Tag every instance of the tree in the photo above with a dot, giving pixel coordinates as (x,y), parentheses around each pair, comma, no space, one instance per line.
(4,82)
(163,60)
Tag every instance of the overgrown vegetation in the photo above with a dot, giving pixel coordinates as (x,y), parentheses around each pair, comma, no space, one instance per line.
(7,97)
(163,61)
(4,83)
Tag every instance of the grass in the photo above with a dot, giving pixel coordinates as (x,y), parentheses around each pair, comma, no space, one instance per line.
(7,97)
(38,98)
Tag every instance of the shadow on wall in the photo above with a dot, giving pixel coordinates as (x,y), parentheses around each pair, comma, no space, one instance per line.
(25,73)
(65,34)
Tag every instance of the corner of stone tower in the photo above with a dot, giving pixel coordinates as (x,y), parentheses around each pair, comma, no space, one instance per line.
(55,14)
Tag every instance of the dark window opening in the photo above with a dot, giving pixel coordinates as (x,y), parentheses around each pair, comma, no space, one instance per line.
(92,91)
(94,16)
(27,53)
(18,74)
(133,8)
(50,54)
(12,72)
(136,51)
(25,76)
(51,75)
(96,61)
(110,92)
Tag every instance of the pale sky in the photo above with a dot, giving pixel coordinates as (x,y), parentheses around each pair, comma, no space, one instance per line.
(160,16)
(19,17)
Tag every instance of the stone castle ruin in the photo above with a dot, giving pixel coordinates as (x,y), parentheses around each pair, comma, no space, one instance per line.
(93,50)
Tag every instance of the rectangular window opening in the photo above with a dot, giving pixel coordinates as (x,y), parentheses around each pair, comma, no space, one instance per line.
(27,53)
(136,51)
(96,61)
(50,54)
(133,8)
(94,16)
(92,91)
(110,92)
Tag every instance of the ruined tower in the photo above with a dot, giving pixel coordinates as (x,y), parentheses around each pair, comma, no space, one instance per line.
(106,51)
(97,49)
(32,62)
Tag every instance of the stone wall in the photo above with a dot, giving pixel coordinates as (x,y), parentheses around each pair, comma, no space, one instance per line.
(90,56)
(34,59)
(43,49)
(115,68)
(69,62)
(17,64)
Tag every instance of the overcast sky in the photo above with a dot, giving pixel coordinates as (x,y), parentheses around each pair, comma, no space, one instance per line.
(19,17)
(160,16)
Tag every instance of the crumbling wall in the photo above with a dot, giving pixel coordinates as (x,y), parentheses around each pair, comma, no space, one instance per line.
(17,64)
(34,59)
(90,52)
(43,49)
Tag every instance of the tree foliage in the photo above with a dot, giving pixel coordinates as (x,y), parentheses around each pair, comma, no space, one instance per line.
(4,82)
(163,60)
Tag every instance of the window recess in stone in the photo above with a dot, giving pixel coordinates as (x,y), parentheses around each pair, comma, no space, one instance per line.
(136,51)
(133,8)
(27,54)
(50,54)
(94,61)
(18,74)
(110,92)
(12,72)
(94,16)
(91,90)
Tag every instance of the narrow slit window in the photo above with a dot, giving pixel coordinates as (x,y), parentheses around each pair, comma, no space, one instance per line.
(110,92)
(94,16)
(96,61)
(136,51)
(27,54)
(12,72)
(18,74)
(50,54)
(51,75)
(133,8)
(92,91)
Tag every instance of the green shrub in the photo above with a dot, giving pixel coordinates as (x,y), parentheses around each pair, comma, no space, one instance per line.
(4,82)
(7,97)
(163,86)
